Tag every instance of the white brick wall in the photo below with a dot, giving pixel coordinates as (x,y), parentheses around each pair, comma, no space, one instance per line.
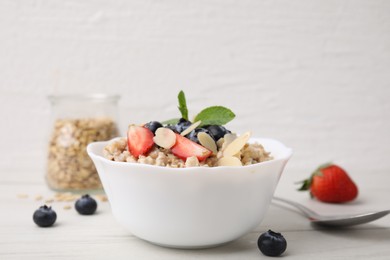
(314,74)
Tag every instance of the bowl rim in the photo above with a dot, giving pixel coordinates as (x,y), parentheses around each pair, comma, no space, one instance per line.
(286,157)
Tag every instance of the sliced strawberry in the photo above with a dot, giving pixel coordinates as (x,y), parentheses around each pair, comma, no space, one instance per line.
(185,148)
(139,140)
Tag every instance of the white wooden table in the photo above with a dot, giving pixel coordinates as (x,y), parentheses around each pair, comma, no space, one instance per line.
(100,237)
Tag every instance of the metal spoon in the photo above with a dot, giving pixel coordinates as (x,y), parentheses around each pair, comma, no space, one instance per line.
(335,221)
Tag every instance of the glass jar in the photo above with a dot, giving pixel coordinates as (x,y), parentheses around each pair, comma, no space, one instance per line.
(76,121)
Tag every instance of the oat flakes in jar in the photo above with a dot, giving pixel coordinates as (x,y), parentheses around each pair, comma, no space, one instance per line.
(76,121)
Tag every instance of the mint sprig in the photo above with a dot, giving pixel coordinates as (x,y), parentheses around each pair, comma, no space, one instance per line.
(172,121)
(183,105)
(215,115)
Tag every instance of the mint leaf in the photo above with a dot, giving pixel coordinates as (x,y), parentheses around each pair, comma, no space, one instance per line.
(172,121)
(183,105)
(215,115)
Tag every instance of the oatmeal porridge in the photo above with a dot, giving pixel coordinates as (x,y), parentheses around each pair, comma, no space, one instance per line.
(117,150)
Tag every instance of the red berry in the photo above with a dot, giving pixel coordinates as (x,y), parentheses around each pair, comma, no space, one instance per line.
(185,148)
(139,140)
(330,183)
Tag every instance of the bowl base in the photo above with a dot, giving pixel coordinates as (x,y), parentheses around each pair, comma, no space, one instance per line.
(189,246)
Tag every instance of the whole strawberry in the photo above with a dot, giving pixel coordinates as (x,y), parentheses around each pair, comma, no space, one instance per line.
(330,183)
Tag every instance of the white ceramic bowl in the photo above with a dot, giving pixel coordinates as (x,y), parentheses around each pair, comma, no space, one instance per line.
(190,207)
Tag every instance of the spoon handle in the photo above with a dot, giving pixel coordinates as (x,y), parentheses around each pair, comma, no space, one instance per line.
(307,212)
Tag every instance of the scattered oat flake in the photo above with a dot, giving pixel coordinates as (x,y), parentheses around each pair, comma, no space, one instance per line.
(65,196)
(22,196)
(49,200)
(102,198)
(236,146)
(190,128)
(67,207)
(38,197)
(229,161)
(207,141)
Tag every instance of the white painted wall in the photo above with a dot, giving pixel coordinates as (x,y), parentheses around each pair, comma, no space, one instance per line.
(314,74)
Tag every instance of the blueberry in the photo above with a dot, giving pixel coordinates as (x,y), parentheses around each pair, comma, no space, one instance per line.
(172,127)
(193,135)
(44,216)
(182,125)
(86,205)
(153,125)
(217,131)
(271,243)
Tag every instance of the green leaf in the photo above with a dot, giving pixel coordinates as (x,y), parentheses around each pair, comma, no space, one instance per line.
(183,105)
(305,185)
(215,115)
(172,121)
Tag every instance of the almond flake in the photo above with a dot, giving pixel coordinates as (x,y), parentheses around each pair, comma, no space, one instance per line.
(228,138)
(207,141)
(220,142)
(190,128)
(236,146)
(165,137)
(229,161)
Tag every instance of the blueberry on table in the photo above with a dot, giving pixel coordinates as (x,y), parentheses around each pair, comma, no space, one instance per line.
(153,125)
(272,243)
(182,125)
(193,135)
(217,131)
(86,205)
(44,216)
